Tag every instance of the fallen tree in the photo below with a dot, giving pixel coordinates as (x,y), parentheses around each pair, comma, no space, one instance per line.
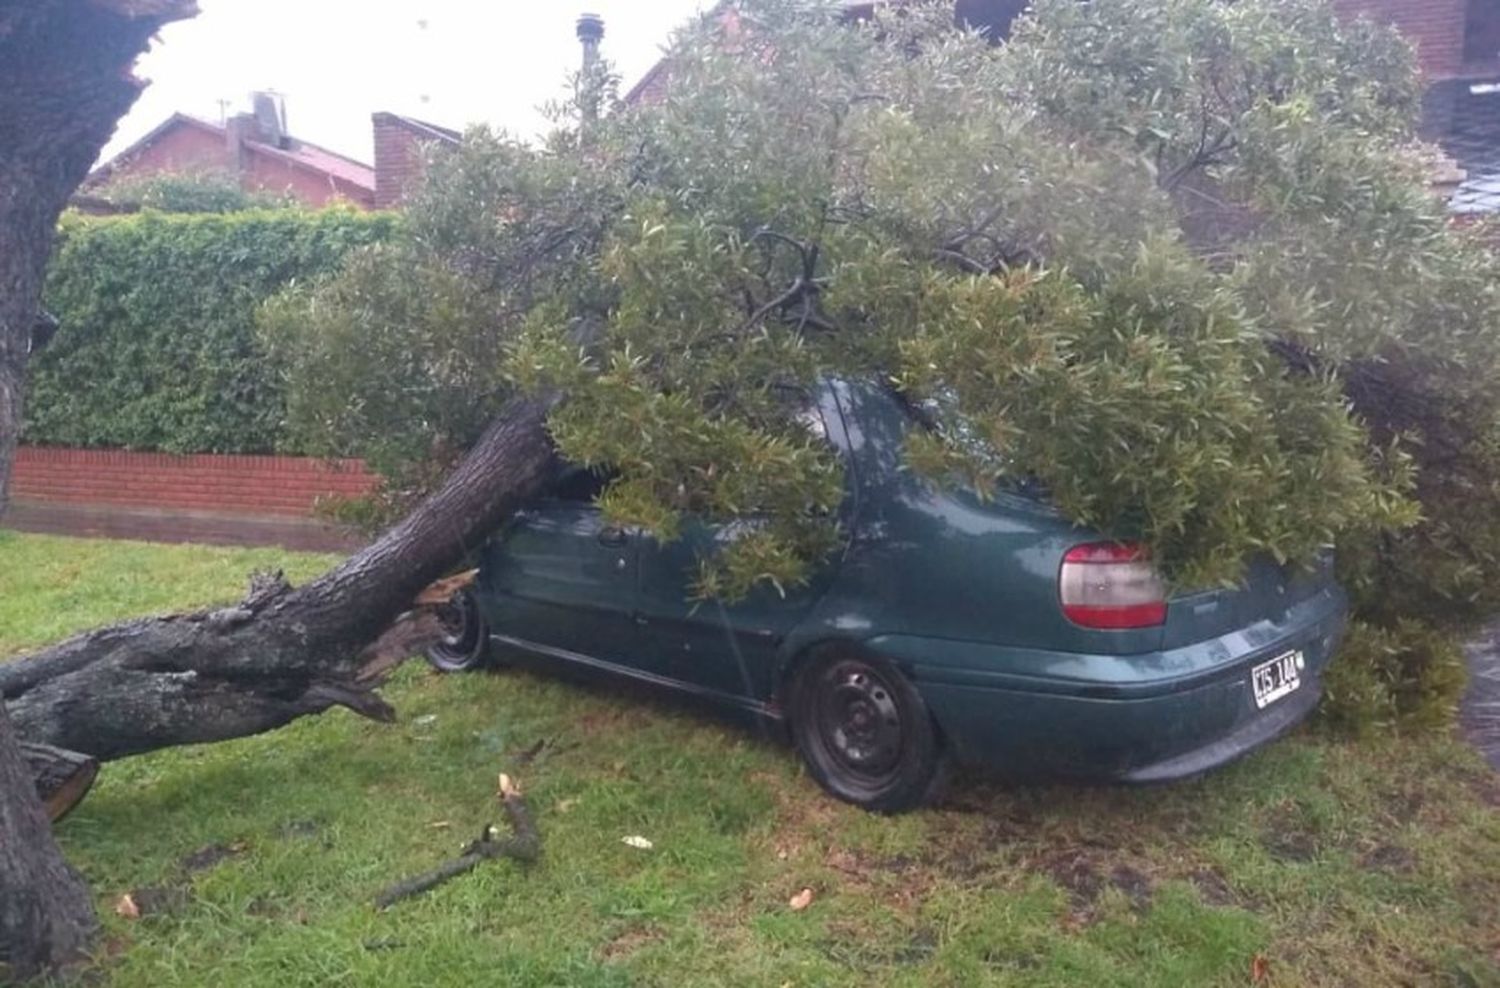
(282,652)
(652,302)
(1119,255)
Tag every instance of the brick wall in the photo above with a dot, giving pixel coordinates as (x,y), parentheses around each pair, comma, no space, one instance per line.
(1436,27)
(250,485)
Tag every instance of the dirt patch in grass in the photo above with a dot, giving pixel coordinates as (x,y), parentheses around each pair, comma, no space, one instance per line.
(1286,836)
(628,941)
(1086,874)
(1078,873)
(1214,889)
(173,895)
(211,856)
(1392,859)
(1137,886)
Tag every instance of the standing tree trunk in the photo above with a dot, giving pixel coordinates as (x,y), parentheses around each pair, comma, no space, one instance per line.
(46,915)
(65,80)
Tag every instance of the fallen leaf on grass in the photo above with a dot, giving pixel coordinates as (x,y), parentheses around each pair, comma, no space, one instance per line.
(125,906)
(1260,969)
(565,805)
(640,843)
(801,900)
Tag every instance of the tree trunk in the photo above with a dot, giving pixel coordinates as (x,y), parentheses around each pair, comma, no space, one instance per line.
(46,914)
(65,80)
(282,653)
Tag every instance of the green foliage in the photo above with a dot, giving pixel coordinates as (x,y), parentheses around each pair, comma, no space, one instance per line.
(406,345)
(1172,258)
(190,192)
(1411,674)
(157,349)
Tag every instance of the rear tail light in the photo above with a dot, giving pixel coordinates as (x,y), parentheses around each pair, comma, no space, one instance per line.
(1111,585)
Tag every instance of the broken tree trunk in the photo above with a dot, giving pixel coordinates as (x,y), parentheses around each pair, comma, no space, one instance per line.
(62,778)
(281,653)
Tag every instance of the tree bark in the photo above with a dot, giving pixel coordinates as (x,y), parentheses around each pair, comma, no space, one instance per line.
(46,914)
(65,80)
(282,653)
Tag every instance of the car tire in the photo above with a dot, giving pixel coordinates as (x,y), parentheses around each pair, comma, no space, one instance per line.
(466,645)
(864,731)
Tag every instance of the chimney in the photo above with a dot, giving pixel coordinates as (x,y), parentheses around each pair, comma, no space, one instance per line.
(237,130)
(590,33)
(270,118)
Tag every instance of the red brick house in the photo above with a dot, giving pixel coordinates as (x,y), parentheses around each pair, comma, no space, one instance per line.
(254,147)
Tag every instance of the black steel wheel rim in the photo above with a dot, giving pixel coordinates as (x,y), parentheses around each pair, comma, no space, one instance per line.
(461,642)
(858,722)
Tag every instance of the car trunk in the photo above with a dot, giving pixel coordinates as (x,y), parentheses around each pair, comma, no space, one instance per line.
(1265,593)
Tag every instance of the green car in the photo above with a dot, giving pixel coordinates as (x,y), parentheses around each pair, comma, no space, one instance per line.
(945,628)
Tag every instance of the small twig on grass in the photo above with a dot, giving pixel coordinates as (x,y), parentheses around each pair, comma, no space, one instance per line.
(525,845)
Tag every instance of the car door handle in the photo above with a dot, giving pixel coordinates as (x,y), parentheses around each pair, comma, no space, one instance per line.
(612,537)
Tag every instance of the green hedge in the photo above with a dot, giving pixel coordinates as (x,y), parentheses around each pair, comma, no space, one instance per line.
(158,348)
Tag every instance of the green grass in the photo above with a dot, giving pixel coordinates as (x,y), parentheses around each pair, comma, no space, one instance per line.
(1340,864)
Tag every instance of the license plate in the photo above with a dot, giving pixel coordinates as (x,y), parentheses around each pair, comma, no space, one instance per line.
(1275,679)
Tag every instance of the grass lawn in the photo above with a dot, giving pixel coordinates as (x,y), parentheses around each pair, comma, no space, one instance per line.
(1337,864)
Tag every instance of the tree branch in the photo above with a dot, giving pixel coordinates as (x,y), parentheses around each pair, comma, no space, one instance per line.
(524,845)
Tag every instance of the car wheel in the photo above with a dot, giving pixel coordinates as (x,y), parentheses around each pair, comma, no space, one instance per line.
(466,645)
(865,733)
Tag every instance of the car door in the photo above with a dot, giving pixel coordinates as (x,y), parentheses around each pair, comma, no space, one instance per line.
(560,577)
(729,648)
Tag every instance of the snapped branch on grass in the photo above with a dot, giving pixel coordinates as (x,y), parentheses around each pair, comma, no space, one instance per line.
(524,845)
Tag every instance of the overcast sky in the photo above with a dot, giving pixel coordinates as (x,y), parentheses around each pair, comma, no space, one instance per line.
(452,62)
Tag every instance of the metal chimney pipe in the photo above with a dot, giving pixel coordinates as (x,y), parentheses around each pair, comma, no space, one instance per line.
(590,33)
